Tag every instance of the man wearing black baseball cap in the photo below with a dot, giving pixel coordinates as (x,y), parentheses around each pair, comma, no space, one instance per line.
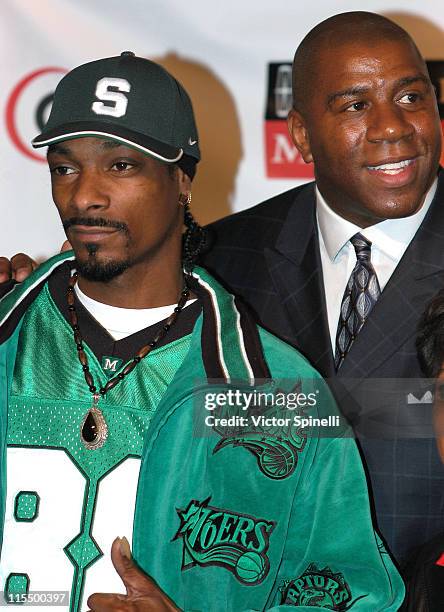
(108,423)
(167,132)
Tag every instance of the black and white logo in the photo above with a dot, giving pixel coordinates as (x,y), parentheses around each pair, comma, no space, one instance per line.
(110,99)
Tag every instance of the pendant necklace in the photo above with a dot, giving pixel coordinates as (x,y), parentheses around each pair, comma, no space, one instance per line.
(93,429)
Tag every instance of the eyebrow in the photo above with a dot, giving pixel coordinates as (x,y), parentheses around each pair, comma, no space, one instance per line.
(412,79)
(54,149)
(111,144)
(357,91)
(347,93)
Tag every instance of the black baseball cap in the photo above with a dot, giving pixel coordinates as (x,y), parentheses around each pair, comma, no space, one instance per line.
(129,99)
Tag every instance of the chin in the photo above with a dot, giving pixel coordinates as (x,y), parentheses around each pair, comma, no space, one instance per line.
(95,266)
(392,206)
(399,210)
(101,271)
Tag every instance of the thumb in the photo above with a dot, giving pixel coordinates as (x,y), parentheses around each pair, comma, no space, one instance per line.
(135,581)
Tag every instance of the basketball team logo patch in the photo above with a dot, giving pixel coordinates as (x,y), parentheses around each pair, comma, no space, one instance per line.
(215,536)
(275,446)
(319,587)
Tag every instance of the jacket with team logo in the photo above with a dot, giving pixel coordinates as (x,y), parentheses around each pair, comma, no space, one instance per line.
(241,506)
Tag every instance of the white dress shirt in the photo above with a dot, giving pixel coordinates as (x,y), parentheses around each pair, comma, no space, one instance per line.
(389,238)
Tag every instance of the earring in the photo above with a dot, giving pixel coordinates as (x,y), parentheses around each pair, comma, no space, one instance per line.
(185,200)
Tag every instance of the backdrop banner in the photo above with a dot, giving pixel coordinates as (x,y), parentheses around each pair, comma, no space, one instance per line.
(234,59)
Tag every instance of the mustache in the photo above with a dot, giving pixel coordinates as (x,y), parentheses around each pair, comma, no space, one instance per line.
(95,222)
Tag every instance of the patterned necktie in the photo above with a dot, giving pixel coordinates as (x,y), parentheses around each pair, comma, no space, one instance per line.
(360,296)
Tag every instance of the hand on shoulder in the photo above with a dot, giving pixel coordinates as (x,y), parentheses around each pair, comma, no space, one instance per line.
(20,266)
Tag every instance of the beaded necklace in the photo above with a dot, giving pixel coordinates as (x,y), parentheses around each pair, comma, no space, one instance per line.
(94,430)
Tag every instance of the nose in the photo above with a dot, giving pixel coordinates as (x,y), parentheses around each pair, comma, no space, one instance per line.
(388,123)
(88,192)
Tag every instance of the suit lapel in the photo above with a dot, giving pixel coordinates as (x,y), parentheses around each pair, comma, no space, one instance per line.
(296,270)
(394,318)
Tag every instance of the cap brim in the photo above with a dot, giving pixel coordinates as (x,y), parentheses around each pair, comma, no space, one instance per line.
(82,129)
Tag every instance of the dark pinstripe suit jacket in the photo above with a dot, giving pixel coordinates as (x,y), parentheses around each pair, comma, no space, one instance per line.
(270,256)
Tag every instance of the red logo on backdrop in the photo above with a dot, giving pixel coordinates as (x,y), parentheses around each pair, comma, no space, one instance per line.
(28,107)
(282,158)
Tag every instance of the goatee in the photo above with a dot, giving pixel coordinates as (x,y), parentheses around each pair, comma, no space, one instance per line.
(95,270)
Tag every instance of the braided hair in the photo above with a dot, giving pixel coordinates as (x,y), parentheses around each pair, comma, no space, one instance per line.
(193,241)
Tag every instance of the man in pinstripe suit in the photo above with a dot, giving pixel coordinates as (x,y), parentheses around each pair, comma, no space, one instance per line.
(369,122)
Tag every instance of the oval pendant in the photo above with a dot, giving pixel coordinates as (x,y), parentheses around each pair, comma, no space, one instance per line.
(94,430)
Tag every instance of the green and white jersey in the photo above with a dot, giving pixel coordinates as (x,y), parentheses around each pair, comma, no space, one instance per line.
(65,503)
(226,519)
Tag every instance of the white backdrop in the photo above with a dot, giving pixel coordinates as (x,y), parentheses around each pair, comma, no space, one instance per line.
(220,51)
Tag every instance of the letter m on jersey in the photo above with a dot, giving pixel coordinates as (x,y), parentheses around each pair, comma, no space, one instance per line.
(111,364)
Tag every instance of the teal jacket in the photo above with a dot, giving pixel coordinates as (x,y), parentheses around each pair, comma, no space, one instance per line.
(232,515)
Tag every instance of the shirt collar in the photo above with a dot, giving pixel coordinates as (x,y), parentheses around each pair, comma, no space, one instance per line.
(391,236)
